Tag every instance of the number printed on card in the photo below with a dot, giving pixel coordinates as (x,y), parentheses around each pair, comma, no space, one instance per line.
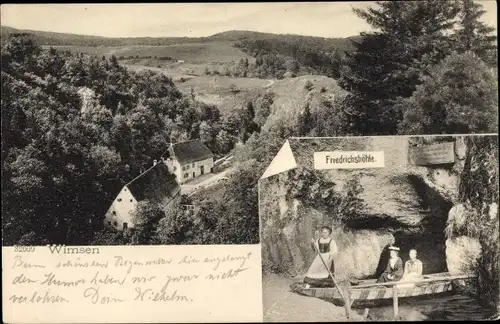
(24,248)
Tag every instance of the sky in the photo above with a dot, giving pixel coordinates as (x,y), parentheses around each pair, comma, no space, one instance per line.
(323,19)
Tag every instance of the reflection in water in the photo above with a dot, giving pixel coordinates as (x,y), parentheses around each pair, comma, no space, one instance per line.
(446,308)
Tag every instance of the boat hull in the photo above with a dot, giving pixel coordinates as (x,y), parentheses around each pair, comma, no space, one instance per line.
(364,297)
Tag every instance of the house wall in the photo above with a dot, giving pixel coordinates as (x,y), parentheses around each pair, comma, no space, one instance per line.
(121,210)
(175,168)
(187,170)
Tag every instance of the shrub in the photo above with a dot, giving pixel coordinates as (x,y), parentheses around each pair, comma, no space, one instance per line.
(309,85)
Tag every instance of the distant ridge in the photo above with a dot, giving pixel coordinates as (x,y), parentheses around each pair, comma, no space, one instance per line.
(66,39)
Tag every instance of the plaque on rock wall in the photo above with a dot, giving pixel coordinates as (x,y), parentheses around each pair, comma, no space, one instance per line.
(442,153)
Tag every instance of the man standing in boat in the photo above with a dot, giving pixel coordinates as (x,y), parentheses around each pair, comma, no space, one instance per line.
(394,270)
(325,249)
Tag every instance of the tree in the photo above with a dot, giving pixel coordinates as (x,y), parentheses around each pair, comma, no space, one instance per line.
(304,123)
(146,218)
(309,85)
(410,37)
(460,95)
(206,133)
(263,108)
(175,228)
(474,35)
(224,142)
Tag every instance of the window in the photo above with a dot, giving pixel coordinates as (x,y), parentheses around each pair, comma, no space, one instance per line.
(131,200)
(119,199)
(113,212)
(193,164)
(115,223)
(125,226)
(175,169)
(109,222)
(186,175)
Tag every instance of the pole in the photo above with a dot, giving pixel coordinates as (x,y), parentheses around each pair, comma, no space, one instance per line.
(395,303)
(347,302)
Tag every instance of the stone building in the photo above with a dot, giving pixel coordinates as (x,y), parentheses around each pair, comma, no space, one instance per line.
(188,160)
(156,185)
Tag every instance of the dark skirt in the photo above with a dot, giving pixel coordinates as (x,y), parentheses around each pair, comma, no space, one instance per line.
(384,278)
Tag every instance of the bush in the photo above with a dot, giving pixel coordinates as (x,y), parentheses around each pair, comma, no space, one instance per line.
(233,88)
(309,85)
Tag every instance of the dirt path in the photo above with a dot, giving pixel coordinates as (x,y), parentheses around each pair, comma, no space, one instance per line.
(282,305)
(204,181)
(271,82)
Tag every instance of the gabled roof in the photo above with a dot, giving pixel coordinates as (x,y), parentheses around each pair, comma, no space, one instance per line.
(189,151)
(155,184)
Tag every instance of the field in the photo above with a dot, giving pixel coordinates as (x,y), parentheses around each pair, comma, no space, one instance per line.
(186,63)
(216,51)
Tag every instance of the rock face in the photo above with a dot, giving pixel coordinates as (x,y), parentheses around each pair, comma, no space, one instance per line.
(286,239)
(473,225)
(87,96)
(412,206)
(462,254)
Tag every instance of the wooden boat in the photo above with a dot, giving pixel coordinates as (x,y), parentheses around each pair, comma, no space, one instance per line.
(368,292)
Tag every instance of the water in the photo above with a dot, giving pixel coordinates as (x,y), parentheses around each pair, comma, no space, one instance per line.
(454,307)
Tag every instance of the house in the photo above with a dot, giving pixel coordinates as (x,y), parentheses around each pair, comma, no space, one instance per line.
(188,160)
(156,184)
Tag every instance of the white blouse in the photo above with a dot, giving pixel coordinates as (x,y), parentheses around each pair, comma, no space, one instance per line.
(392,262)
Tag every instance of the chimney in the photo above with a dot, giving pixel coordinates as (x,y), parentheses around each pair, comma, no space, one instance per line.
(154,162)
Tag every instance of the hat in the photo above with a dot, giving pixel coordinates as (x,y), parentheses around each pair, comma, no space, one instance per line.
(394,248)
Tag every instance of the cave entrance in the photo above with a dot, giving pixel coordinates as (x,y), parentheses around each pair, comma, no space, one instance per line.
(429,239)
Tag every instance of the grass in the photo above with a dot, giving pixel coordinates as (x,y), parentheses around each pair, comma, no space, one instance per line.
(217,51)
(291,97)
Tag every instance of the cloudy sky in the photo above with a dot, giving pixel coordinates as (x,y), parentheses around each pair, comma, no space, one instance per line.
(174,19)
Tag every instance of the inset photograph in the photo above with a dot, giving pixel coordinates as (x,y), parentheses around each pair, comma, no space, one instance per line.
(381,228)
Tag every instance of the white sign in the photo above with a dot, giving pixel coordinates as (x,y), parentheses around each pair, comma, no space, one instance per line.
(348,160)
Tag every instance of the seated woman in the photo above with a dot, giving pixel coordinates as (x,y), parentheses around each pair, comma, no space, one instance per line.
(413,270)
(394,270)
(318,275)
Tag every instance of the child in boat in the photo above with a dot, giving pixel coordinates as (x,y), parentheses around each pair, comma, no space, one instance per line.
(413,269)
(394,270)
(318,275)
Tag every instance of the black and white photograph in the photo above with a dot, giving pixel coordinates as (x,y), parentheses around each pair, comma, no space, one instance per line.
(176,124)
(347,221)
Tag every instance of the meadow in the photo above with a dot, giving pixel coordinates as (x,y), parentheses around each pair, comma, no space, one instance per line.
(216,51)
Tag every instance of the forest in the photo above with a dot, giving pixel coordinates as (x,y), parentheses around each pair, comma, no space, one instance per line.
(433,72)
(280,55)
(65,157)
